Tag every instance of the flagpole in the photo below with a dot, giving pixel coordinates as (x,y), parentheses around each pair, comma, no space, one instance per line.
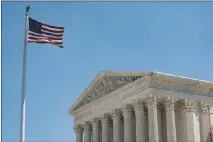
(23,99)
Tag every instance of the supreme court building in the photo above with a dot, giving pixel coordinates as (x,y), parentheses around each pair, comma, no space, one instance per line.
(144,107)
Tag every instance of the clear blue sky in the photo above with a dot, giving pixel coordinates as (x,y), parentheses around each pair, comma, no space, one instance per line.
(167,37)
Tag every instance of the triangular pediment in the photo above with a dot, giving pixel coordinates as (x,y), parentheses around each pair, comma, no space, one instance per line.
(107,82)
(103,84)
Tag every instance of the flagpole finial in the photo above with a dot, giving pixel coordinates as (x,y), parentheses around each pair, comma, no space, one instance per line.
(27,9)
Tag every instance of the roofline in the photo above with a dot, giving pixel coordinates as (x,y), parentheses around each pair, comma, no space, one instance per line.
(127,73)
(182,77)
(101,74)
(98,76)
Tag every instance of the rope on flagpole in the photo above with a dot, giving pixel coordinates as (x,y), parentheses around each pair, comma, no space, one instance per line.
(23,99)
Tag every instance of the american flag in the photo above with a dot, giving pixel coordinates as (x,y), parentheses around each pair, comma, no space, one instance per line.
(43,33)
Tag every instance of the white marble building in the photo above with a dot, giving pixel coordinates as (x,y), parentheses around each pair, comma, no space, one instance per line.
(144,107)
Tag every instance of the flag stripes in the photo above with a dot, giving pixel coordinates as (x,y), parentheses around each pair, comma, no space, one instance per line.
(43,33)
(44,36)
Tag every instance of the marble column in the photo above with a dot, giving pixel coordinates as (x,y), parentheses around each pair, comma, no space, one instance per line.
(133,128)
(87,132)
(181,112)
(152,116)
(127,113)
(211,121)
(160,128)
(188,133)
(178,121)
(163,125)
(116,116)
(205,124)
(139,116)
(110,131)
(100,132)
(190,121)
(79,133)
(122,129)
(96,130)
(105,128)
(91,136)
(170,119)
(146,125)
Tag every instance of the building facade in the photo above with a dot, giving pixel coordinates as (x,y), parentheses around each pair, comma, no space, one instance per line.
(144,107)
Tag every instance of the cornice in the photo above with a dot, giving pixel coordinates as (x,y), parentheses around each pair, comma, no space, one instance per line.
(154,80)
(181,78)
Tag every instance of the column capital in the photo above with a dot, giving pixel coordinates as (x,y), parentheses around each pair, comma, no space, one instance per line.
(186,104)
(96,123)
(205,108)
(127,110)
(87,126)
(151,100)
(138,105)
(78,129)
(110,123)
(116,112)
(169,102)
(105,117)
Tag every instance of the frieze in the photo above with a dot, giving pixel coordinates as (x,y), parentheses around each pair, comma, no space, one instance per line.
(180,87)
